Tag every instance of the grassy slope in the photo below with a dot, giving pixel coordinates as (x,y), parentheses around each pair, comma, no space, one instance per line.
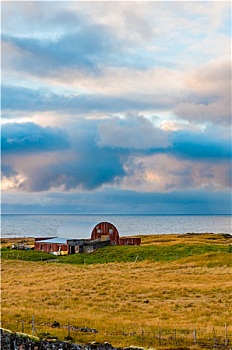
(153,248)
(150,253)
(183,282)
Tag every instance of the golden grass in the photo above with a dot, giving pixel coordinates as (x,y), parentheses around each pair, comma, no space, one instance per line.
(121,299)
(7,242)
(188,238)
(118,298)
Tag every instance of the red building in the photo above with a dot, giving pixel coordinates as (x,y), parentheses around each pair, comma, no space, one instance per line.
(105,231)
(102,234)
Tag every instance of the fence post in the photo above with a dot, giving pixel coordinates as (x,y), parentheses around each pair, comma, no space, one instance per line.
(33,324)
(194,336)
(22,326)
(69,330)
(175,335)
(226,335)
(160,336)
(214,337)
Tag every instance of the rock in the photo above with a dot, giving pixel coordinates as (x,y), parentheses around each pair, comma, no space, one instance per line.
(12,341)
(55,324)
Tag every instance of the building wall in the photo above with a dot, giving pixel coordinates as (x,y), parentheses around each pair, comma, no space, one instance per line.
(105,231)
(130,241)
(51,247)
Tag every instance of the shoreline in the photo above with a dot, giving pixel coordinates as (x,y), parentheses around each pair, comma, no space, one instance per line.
(145,239)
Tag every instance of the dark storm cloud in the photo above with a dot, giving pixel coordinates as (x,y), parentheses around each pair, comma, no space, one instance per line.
(7,170)
(89,171)
(31,138)
(81,161)
(86,165)
(75,161)
(111,201)
(200,146)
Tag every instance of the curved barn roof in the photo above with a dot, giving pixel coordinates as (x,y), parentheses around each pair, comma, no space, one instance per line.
(76,229)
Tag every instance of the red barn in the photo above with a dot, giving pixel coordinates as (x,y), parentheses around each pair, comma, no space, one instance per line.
(102,234)
(105,231)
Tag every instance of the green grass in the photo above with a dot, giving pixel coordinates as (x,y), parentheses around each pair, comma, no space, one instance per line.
(30,255)
(125,254)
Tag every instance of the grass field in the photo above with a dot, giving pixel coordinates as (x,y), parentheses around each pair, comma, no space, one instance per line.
(155,295)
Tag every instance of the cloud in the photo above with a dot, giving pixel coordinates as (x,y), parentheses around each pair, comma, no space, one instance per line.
(117,61)
(208,93)
(101,71)
(90,169)
(38,19)
(30,138)
(90,48)
(111,201)
(165,173)
(130,153)
(70,162)
(82,50)
(94,36)
(199,96)
(15,98)
(10,178)
(7,170)
(132,132)
(200,146)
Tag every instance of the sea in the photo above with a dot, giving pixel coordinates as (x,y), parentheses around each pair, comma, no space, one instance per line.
(20,225)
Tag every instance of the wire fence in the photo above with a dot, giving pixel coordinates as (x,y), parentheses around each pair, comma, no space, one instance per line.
(211,338)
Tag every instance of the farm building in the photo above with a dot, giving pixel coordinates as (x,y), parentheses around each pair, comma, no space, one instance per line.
(101,234)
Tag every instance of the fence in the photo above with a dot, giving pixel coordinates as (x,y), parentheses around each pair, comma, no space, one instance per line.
(158,337)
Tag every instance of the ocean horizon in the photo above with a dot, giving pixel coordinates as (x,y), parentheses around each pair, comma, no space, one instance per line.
(47,225)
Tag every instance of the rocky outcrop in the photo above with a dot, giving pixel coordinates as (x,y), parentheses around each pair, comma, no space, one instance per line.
(13,341)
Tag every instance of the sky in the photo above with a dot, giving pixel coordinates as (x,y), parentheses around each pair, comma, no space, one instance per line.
(118,107)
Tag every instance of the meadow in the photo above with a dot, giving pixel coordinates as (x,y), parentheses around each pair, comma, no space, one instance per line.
(174,291)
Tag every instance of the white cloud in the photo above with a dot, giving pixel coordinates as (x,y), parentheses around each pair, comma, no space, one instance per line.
(208,93)
(133,132)
(163,173)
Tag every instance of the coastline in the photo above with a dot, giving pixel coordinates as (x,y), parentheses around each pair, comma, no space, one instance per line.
(127,225)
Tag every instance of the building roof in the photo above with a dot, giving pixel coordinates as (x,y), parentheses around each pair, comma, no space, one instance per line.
(56,240)
(76,230)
